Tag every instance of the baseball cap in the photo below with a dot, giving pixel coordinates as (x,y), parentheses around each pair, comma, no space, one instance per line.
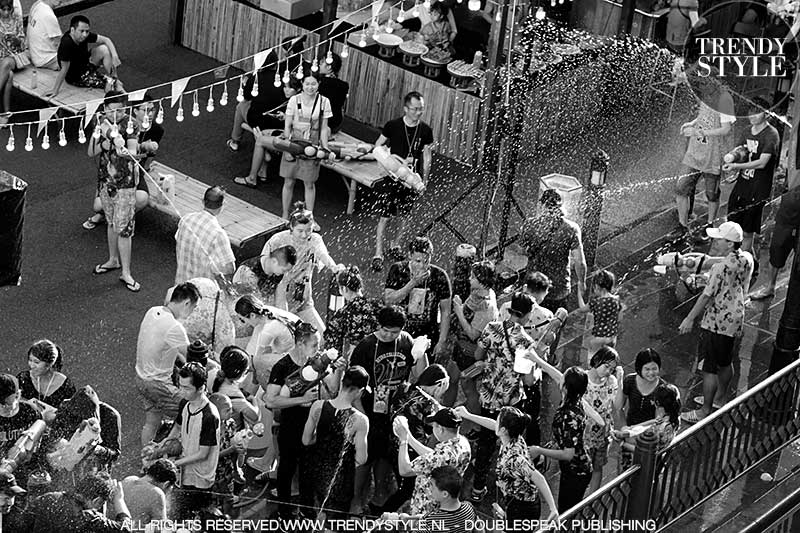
(521,304)
(730,231)
(357,377)
(8,484)
(214,197)
(446,417)
(8,386)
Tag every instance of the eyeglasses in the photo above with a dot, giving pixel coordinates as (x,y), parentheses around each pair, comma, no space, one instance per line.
(420,108)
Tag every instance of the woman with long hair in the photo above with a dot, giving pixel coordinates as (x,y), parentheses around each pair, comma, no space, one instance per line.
(43,381)
(358,318)
(234,366)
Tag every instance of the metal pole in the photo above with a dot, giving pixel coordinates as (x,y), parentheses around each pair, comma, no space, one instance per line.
(787,339)
(644,480)
(593,206)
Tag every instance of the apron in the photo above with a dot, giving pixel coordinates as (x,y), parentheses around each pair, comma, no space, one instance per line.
(304,128)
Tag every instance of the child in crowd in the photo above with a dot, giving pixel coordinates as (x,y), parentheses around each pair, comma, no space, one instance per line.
(454,515)
(437,34)
(231,456)
(606,308)
(605,378)
(666,423)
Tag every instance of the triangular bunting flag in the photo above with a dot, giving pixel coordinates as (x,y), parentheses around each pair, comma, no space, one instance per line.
(137,96)
(44,116)
(91,108)
(259,58)
(221,72)
(177,89)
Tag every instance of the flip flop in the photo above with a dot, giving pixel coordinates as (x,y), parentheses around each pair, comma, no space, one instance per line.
(699,401)
(233,146)
(133,287)
(761,294)
(377,263)
(691,416)
(101,269)
(243,181)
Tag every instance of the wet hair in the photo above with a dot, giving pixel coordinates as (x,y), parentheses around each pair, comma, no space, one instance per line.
(605,280)
(440,8)
(336,63)
(648,355)
(234,363)
(551,199)
(94,485)
(483,270)
(300,215)
(47,352)
(446,478)
(392,316)
(163,471)
(420,244)
(576,381)
(285,255)
(514,421)
(431,376)
(185,291)
(410,96)
(249,304)
(605,354)
(77,19)
(538,282)
(759,104)
(197,374)
(115,97)
(350,278)
(304,331)
(668,397)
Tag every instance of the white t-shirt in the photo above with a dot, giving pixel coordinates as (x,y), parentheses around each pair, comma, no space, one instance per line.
(42,29)
(161,339)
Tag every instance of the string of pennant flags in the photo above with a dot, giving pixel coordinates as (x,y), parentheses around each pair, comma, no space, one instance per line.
(178,87)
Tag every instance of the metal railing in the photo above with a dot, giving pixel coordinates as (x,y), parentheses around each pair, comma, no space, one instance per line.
(780,519)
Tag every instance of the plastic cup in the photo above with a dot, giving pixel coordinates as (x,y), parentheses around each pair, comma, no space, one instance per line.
(522,365)
(419,347)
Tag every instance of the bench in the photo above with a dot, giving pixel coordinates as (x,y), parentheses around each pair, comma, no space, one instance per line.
(240,220)
(353,172)
(70,98)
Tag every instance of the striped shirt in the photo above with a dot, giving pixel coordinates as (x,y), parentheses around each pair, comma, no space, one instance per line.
(462,520)
(202,248)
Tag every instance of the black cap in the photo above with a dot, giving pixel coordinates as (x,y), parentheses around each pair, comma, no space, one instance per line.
(8,386)
(8,484)
(445,417)
(550,198)
(214,197)
(197,351)
(521,304)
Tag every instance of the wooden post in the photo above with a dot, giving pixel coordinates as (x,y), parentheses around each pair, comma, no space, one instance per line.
(177,8)
(626,17)
(329,9)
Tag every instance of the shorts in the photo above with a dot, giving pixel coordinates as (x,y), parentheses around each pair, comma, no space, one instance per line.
(686,184)
(159,397)
(119,206)
(746,213)
(379,440)
(92,78)
(395,199)
(716,351)
(784,239)
(599,456)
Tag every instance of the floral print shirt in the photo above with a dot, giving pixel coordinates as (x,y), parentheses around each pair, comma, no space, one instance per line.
(601,397)
(479,311)
(664,431)
(568,429)
(352,323)
(728,283)
(500,385)
(454,452)
(514,469)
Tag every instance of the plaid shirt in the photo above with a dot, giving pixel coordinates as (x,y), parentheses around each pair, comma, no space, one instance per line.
(202,247)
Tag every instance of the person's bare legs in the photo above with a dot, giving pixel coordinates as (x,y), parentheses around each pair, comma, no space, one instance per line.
(124,245)
(710,386)
(101,56)
(769,287)
(286,196)
(6,78)
(380,232)
(713,209)
(724,378)
(310,194)
(402,225)
(113,247)
(239,118)
(682,204)
(152,421)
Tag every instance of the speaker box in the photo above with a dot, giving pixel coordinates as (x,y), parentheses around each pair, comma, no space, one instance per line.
(12,215)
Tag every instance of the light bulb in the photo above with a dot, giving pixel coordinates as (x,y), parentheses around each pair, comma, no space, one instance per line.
(45,142)
(540,14)
(129,128)
(345,51)
(97,132)
(277,82)
(114,131)
(474,5)
(286,77)
(400,17)
(28,144)
(10,145)
(160,114)
(497,17)
(299,74)
(223,100)
(362,42)
(240,92)
(179,115)
(415,12)
(146,122)
(329,58)
(62,138)
(315,65)
(389,28)
(254,90)
(210,104)
(196,109)
(427,4)
(81,135)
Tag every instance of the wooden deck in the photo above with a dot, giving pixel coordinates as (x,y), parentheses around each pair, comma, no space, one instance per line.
(242,221)
(70,98)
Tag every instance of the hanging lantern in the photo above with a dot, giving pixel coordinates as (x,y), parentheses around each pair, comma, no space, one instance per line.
(427,4)
(299,74)
(415,13)
(277,82)
(540,14)
(240,92)
(362,41)
(29,140)
(62,135)
(129,128)
(286,77)
(114,130)
(497,17)
(315,65)
(195,106)
(10,144)
(400,17)
(160,114)
(474,5)
(223,100)
(179,115)
(45,141)
(329,58)
(210,103)
(345,51)
(254,90)
(82,132)
(97,131)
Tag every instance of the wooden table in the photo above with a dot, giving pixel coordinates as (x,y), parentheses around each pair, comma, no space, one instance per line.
(353,172)
(70,98)
(240,220)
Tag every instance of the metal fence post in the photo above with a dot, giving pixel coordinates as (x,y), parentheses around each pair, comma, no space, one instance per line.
(644,480)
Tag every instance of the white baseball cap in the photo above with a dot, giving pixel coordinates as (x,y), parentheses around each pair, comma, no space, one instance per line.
(730,231)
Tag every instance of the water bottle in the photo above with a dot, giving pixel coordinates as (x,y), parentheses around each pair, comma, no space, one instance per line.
(34,79)
(477,61)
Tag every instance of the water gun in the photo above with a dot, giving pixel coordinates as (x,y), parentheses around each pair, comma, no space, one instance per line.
(295,147)
(83,442)
(397,168)
(740,154)
(348,151)
(553,327)
(303,379)
(691,263)
(243,436)
(22,449)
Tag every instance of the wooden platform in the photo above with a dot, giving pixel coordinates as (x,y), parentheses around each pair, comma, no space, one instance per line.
(366,173)
(70,98)
(242,221)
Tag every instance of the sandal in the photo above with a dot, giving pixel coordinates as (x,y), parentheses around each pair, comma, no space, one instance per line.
(91,223)
(699,401)
(133,287)
(692,416)
(102,269)
(243,181)
(762,294)
(233,146)
(377,263)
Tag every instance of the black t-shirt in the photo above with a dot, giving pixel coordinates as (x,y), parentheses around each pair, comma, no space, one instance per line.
(336,91)
(408,141)
(266,105)
(291,417)
(421,315)
(155,134)
(388,364)
(789,211)
(11,428)
(756,185)
(77,54)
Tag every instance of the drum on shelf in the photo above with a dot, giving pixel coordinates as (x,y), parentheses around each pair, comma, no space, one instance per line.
(387,44)
(412,51)
(432,65)
(462,74)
